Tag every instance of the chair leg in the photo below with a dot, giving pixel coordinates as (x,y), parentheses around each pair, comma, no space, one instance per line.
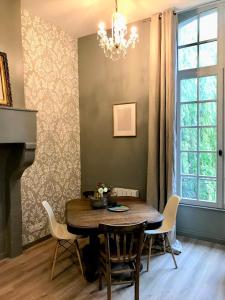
(79,256)
(171,249)
(54,258)
(100,281)
(136,292)
(109,283)
(164,243)
(136,287)
(149,252)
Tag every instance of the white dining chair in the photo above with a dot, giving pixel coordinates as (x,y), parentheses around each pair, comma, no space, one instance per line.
(63,237)
(169,221)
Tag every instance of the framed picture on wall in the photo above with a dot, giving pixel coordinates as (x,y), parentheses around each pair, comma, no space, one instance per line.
(124,119)
(5,90)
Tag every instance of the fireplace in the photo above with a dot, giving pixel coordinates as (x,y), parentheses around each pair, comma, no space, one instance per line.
(17,152)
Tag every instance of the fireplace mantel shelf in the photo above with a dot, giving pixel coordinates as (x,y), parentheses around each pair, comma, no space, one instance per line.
(17,109)
(17,125)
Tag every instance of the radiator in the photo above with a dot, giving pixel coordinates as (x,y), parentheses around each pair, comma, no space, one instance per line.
(126,192)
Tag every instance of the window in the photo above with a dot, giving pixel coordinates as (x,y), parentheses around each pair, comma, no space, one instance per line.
(200,107)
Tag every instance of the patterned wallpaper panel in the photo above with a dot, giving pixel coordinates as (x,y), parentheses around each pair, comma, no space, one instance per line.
(51,87)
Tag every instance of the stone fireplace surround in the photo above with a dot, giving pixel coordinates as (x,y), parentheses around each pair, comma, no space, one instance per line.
(17,152)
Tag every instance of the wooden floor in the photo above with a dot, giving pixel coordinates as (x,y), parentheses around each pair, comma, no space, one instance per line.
(200,276)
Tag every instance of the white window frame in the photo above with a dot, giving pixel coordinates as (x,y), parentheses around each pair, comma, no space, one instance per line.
(217,70)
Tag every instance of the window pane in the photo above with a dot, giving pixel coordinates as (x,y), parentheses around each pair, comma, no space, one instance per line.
(208,26)
(208,88)
(187,58)
(188,163)
(189,187)
(207,139)
(207,190)
(188,114)
(188,89)
(188,32)
(207,113)
(208,54)
(207,163)
(189,139)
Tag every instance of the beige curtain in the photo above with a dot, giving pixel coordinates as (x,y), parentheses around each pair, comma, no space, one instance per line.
(161,108)
(162,95)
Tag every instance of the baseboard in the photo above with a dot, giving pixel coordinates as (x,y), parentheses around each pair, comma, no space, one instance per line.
(205,236)
(44,238)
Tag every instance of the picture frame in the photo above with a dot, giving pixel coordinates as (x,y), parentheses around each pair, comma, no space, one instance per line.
(124,119)
(5,89)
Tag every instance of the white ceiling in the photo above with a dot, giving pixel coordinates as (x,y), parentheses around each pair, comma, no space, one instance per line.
(81,17)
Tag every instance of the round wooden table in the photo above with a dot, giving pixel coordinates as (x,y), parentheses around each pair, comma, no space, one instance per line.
(82,219)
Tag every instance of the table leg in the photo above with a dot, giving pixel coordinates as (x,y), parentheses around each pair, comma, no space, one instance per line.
(91,258)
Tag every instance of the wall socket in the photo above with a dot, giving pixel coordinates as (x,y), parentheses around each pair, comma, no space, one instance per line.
(37,227)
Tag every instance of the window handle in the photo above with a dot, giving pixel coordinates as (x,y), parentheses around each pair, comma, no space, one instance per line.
(220,152)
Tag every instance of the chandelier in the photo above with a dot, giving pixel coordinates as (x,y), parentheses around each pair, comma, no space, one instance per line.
(116,46)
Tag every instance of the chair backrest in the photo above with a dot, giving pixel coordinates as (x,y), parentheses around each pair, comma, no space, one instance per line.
(170,211)
(87,194)
(51,218)
(123,243)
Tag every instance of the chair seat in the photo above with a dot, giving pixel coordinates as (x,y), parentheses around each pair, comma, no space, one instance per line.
(115,259)
(163,229)
(63,234)
(155,231)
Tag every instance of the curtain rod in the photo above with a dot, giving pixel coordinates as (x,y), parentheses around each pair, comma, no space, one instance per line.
(177,12)
(160,16)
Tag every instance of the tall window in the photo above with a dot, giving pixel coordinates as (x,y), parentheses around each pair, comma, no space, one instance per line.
(200,107)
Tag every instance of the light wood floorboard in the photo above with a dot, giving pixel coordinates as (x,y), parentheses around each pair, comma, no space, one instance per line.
(200,276)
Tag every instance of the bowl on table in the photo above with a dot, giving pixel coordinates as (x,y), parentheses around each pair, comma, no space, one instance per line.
(98,202)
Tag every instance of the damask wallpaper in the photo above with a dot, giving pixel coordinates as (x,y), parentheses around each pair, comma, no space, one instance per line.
(51,87)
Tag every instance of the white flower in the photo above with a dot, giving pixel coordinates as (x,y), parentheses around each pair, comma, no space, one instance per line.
(105,190)
(100,190)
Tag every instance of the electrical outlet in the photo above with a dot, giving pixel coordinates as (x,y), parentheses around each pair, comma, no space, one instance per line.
(37,227)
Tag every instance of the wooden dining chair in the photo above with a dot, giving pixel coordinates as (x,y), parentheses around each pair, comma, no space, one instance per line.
(120,255)
(169,214)
(63,237)
(87,194)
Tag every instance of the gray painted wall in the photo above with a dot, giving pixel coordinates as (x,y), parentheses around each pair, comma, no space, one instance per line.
(11,44)
(118,161)
(202,223)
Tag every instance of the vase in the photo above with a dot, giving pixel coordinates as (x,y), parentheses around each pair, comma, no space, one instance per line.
(98,202)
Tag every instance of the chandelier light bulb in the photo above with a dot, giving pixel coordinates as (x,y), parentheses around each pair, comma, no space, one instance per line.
(133,29)
(101,26)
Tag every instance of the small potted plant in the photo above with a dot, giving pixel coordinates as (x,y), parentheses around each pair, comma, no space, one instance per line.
(101,196)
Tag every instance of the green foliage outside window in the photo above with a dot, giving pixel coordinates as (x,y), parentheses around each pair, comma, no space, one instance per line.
(198,138)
